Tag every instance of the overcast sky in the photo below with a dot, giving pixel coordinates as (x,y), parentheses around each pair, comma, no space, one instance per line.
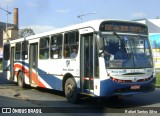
(44,15)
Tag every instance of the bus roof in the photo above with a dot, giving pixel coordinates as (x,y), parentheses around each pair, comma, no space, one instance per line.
(94,24)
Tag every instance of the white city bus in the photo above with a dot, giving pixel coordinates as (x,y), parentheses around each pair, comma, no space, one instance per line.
(112,58)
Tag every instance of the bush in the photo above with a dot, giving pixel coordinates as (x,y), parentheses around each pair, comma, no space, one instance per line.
(1,65)
(158,79)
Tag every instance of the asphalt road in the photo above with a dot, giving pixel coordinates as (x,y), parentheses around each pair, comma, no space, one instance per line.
(54,102)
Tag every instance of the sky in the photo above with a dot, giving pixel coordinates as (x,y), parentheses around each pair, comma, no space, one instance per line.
(45,15)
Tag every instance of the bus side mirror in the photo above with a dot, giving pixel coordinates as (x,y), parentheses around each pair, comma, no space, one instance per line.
(101,53)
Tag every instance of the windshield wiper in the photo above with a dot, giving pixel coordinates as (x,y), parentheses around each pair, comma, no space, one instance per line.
(114,33)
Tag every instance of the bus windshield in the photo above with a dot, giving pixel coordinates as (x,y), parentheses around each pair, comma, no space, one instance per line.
(127,51)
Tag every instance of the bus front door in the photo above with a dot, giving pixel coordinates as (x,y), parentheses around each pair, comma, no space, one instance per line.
(33,64)
(87,65)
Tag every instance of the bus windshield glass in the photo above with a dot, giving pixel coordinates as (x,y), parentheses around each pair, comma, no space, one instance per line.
(127,51)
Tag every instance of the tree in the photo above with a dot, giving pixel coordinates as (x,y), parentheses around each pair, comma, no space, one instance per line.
(25,32)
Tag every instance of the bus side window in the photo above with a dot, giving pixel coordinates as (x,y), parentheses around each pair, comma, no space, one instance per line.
(56,46)
(25,49)
(71,40)
(66,49)
(44,48)
(18,51)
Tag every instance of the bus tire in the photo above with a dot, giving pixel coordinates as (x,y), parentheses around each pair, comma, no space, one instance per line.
(71,91)
(20,80)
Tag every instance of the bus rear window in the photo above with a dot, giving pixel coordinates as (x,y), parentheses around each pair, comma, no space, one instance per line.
(6,52)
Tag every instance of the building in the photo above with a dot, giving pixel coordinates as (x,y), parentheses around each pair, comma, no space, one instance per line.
(3,31)
(8,31)
(154,36)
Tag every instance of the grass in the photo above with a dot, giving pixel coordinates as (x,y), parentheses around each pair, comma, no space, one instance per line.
(0,65)
(158,79)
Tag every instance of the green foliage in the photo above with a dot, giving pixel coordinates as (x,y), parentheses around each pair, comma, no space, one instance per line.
(25,32)
(1,65)
(158,79)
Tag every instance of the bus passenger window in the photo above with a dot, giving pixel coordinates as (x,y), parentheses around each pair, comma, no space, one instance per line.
(18,51)
(74,53)
(56,46)
(71,40)
(44,48)
(66,52)
(24,49)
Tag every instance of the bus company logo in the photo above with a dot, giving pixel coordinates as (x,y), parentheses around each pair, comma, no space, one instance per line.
(6,110)
(67,63)
(135,79)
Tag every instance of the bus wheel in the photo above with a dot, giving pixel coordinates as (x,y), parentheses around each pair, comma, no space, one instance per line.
(71,90)
(21,80)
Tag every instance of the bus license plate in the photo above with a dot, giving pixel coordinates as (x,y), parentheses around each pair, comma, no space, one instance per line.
(133,87)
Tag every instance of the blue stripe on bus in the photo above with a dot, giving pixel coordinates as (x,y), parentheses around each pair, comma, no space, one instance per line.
(50,79)
(110,88)
(107,87)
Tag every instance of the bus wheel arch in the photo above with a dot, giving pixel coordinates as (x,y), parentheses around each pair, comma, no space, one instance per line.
(70,88)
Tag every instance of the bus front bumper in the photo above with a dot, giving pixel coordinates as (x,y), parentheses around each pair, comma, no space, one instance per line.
(111,88)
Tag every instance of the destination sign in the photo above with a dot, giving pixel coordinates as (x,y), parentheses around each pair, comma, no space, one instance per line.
(124,27)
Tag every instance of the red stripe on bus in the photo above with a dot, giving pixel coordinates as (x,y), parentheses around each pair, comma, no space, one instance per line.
(34,76)
(87,78)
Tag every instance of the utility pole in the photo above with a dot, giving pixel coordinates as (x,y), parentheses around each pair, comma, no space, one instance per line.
(82,15)
(8,13)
